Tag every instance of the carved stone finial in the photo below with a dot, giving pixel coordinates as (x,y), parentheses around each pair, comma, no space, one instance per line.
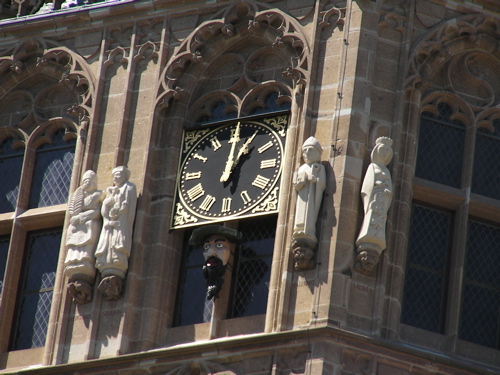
(376,194)
(310,182)
(81,239)
(115,241)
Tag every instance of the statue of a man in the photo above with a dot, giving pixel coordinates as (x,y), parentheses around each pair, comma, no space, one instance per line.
(81,238)
(113,249)
(310,182)
(218,242)
(376,194)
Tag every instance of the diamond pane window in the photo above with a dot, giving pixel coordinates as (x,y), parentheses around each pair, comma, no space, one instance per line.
(37,289)
(52,172)
(253,267)
(426,269)
(480,310)
(4,250)
(487,162)
(11,164)
(438,133)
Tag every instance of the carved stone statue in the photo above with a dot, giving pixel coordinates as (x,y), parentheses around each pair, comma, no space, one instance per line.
(376,194)
(217,241)
(310,182)
(113,249)
(81,239)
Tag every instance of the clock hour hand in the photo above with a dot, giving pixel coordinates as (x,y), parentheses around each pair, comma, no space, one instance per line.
(235,138)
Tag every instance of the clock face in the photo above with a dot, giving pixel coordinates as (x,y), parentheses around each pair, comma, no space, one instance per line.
(230,171)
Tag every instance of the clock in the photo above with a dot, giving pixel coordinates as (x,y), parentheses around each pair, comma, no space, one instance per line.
(230,171)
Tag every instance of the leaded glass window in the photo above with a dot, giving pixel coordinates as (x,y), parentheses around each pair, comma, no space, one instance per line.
(192,304)
(440,148)
(487,162)
(426,269)
(253,267)
(480,310)
(4,251)
(52,172)
(451,285)
(249,279)
(37,289)
(11,164)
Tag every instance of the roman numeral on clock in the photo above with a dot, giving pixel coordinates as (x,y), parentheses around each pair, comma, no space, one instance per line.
(265,147)
(260,182)
(196,192)
(226,205)
(207,202)
(270,163)
(193,175)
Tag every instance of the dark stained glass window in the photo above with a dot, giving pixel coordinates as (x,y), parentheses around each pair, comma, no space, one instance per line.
(52,172)
(4,250)
(253,267)
(440,148)
(11,165)
(426,269)
(487,162)
(480,310)
(37,289)
(193,306)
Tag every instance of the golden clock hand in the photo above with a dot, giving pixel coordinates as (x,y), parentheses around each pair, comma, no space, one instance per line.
(243,150)
(235,138)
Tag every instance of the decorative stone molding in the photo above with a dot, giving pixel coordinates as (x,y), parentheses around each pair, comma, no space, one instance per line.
(115,241)
(376,194)
(81,239)
(310,183)
(67,89)
(213,50)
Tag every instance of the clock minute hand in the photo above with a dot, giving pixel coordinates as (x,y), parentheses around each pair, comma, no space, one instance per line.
(235,138)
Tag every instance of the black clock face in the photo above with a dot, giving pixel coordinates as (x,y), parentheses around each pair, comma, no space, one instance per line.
(230,171)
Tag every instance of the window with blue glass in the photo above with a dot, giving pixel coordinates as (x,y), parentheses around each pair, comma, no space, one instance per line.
(451,285)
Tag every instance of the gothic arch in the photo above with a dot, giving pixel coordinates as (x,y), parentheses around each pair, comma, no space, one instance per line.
(461,58)
(224,60)
(42,81)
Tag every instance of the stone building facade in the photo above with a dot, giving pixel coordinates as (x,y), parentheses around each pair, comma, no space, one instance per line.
(98,85)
